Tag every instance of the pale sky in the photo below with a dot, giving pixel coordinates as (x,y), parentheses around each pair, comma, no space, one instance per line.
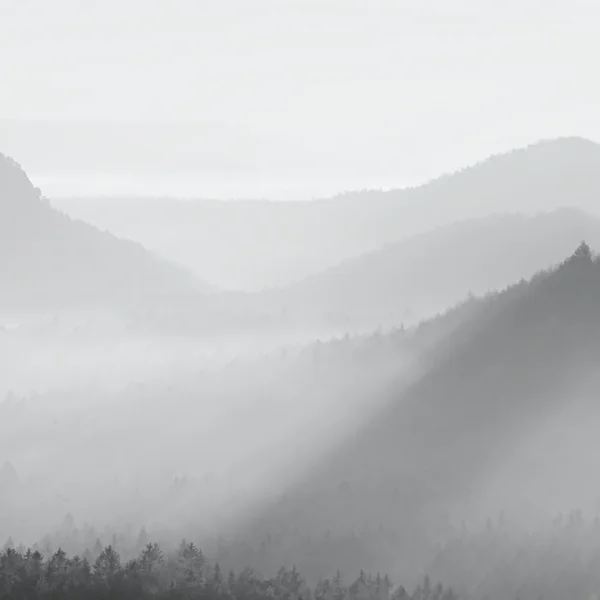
(436,82)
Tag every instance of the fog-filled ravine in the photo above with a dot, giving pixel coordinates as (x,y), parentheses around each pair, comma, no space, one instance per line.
(414,402)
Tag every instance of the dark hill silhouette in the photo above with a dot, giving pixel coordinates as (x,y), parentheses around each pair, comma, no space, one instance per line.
(254,244)
(49,261)
(514,360)
(417,277)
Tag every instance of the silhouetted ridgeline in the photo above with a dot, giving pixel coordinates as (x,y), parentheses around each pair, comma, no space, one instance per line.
(252,244)
(414,278)
(48,261)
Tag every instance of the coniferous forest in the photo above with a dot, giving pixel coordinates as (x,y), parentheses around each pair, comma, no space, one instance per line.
(181,574)
(299,301)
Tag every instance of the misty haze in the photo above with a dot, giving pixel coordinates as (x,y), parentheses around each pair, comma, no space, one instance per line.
(299,300)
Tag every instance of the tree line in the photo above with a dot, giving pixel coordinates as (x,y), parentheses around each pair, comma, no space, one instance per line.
(184,573)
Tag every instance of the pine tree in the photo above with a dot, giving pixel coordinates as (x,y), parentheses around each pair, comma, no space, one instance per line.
(583,252)
(217,579)
(151,558)
(107,565)
(190,563)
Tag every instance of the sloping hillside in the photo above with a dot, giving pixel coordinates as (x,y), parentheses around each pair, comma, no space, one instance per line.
(415,278)
(252,244)
(49,261)
(517,359)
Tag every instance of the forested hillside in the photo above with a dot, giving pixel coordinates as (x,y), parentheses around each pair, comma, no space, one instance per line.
(426,427)
(49,262)
(513,363)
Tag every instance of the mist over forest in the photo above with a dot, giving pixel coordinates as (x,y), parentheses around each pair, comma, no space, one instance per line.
(299,300)
(400,416)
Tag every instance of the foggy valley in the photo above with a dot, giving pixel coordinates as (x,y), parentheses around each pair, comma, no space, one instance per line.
(299,300)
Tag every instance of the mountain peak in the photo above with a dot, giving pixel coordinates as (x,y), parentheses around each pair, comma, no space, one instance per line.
(47,259)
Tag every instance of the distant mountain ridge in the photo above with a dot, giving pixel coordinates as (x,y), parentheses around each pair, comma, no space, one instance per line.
(414,278)
(252,245)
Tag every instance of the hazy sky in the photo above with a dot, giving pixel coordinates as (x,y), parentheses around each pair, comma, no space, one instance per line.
(436,82)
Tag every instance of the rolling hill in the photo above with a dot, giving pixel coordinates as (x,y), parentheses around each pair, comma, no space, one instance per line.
(415,278)
(251,245)
(48,261)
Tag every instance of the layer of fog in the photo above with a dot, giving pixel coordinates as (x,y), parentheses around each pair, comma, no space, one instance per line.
(150,432)
(57,353)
